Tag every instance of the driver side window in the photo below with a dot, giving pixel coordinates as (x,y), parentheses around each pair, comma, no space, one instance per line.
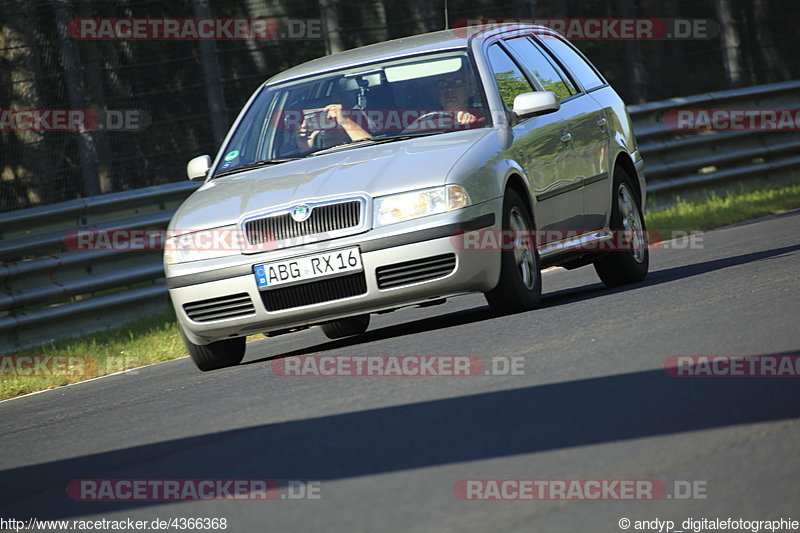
(508,76)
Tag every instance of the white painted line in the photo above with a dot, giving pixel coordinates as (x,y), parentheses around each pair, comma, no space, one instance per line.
(128,371)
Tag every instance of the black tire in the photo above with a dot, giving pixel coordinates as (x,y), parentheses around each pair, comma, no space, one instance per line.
(346,327)
(220,354)
(520,285)
(625,266)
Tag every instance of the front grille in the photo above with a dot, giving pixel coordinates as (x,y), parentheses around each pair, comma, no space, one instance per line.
(220,308)
(415,271)
(323,219)
(314,292)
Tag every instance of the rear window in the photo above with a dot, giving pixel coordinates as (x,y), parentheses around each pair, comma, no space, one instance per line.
(510,79)
(551,78)
(576,64)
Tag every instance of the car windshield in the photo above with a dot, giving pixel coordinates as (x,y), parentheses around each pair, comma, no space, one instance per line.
(354,107)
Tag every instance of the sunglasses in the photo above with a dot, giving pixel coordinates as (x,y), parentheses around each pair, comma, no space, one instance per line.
(451,84)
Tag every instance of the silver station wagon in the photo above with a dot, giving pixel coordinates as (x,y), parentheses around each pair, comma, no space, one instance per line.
(404,173)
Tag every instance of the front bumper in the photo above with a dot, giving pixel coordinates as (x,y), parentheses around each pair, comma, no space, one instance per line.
(473,271)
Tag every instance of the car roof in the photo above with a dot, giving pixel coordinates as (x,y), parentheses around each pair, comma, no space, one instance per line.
(455,38)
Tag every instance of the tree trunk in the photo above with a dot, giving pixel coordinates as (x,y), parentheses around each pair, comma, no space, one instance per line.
(633,56)
(424,17)
(376,15)
(70,62)
(256,9)
(97,103)
(329,13)
(776,69)
(525,9)
(25,166)
(212,77)
(731,56)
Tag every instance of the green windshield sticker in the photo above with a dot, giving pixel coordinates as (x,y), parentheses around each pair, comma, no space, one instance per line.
(232,155)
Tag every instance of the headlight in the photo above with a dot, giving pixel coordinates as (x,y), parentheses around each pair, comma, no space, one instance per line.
(408,205)
(205,244)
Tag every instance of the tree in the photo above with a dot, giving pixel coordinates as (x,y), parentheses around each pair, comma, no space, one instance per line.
(329,14)
(731,56)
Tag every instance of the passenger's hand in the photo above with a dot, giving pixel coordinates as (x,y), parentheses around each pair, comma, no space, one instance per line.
(335,113)
(305,137)
(350,126)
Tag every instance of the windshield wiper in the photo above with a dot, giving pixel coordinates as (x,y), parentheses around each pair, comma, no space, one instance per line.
(256,164)
(371,141)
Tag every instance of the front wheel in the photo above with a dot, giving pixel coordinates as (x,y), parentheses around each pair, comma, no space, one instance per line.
(627,224)
(520,285)
(220,354)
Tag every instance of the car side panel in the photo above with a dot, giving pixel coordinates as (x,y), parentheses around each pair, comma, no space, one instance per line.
(535,145)
(597,196)
(590,152)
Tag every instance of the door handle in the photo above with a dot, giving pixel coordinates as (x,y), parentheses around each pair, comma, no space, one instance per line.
(567,137)
(601,121)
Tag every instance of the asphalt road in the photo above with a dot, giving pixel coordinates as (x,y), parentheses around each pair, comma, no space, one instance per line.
(594,402)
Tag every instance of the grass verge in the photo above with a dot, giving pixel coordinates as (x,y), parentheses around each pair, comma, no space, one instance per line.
(157,339)
(715,211)
(139,343)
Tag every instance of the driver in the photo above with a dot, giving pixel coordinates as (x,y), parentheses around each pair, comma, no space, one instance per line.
(455,90)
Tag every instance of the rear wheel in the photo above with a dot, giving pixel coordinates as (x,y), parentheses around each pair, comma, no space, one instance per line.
(220,354)
(346,327)
(520,285)
(627,224)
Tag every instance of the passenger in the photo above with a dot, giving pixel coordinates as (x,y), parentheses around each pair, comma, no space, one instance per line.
(333,115)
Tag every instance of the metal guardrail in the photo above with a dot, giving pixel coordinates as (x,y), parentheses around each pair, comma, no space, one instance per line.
(679,161)
(50,292)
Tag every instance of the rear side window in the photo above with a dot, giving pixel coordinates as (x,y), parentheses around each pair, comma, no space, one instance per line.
(550,77)
(584,72)
(510,79)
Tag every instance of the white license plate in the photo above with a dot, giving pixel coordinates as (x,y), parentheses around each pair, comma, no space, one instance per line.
(307,267)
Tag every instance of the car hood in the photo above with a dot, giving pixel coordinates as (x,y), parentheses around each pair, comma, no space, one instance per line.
(372,170)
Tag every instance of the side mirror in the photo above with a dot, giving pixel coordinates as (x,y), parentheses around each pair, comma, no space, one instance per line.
(536,103)
(198,167)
